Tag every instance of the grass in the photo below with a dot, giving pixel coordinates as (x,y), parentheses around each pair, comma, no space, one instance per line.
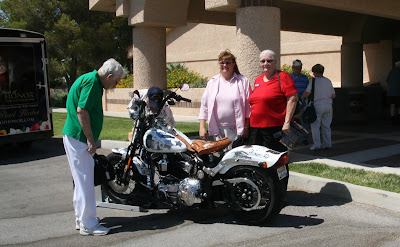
(388,182)
(115,128)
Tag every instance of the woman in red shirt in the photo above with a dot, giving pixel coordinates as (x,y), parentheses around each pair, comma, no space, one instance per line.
(273,102)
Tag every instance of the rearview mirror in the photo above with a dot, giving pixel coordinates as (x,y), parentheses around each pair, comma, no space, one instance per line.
(184,87)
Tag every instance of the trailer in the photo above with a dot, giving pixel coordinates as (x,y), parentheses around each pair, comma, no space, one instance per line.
(25,113)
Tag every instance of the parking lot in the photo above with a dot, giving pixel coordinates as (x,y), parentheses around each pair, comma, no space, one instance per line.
(36,210)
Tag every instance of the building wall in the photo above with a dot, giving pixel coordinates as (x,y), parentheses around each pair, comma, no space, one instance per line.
(198,46)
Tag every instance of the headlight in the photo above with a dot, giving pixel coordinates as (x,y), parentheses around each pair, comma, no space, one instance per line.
(134,112)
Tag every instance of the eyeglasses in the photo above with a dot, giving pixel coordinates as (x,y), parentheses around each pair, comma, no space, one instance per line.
(225,62)
(268,61)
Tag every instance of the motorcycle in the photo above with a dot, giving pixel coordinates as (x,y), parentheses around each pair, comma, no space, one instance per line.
(162,166)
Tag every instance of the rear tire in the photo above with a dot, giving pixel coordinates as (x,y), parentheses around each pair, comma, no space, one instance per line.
(244,196)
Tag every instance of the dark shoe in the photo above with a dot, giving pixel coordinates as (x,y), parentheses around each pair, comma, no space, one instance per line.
(314,148)
(305,142)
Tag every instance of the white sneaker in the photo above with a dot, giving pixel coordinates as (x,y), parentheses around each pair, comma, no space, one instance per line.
(78,223)
(97,230)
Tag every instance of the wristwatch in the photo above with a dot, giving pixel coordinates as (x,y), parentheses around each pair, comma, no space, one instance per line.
(287,122)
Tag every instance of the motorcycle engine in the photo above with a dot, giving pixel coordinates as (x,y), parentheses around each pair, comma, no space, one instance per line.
(176,184)
(177,165)
(186,192)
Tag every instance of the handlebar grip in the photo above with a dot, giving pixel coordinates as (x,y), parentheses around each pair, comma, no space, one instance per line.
(180,98)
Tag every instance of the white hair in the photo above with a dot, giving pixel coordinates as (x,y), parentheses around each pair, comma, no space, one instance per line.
(397,64)
(268,52)
(111,66)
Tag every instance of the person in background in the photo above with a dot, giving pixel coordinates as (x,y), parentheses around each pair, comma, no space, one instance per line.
(224,104)
(301,82)
(393,92)
(81,131)
(153,98)
(273,102)
(324,93)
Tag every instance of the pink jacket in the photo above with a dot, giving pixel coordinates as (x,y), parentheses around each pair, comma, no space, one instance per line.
(242,110)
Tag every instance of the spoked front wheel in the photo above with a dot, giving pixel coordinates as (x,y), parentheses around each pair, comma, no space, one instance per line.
(253,194)
(117,192)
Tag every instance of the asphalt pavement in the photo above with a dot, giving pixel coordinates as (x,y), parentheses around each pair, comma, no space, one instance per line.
(372,146)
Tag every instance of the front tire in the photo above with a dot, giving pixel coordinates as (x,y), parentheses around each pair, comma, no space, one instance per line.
(253,205)
(118,193)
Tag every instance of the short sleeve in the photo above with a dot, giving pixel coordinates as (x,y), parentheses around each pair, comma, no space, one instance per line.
(287,84)
(87,95)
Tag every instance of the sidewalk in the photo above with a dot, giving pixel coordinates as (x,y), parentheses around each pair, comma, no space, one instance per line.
(372,146)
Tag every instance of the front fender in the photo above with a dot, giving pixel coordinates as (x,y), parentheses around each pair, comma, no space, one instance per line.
(253,155)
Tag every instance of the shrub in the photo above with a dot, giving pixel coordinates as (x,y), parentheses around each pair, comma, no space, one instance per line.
(126,82)
(178,74)
(288,69)
(58,97)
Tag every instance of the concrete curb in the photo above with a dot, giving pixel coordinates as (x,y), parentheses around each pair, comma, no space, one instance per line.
(346,191)
(108,144)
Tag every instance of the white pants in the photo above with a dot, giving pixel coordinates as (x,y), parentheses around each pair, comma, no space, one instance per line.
(82,169)
(322,126)
(225,131)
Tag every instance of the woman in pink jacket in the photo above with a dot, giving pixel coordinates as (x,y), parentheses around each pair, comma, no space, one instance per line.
(224,104)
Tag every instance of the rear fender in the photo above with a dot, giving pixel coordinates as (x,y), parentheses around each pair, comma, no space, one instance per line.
(253,155)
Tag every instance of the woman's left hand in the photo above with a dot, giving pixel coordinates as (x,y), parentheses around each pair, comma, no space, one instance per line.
(246,132)
(286,128)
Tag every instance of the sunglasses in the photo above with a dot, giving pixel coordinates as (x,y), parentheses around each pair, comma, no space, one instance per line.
(225,62)
(268,61)
(156,97)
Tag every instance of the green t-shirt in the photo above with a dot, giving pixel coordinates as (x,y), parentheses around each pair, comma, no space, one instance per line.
(86,93)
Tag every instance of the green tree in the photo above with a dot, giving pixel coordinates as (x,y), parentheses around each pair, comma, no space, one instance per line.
(78,40)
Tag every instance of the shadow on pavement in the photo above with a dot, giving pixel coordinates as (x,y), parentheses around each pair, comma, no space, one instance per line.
(357,137)
(322,199)
(176,217)
(41,149)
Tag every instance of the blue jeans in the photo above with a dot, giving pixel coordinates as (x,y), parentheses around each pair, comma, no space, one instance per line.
(307,127)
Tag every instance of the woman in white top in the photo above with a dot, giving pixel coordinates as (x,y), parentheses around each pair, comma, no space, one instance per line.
(323,99)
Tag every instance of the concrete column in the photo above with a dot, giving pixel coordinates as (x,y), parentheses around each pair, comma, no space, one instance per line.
(352,65)
(257,29)
(149,56)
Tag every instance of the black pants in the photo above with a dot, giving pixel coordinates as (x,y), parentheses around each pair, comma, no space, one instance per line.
(264,137)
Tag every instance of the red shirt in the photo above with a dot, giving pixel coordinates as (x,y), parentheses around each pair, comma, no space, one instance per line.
(268,100)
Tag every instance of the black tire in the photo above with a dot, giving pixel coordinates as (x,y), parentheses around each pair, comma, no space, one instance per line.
(117,194)
(268,204)
(25,144)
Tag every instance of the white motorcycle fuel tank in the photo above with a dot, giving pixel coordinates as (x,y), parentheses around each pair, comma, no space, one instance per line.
(159,141)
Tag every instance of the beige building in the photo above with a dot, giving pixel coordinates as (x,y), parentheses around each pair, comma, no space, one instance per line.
(356,40)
